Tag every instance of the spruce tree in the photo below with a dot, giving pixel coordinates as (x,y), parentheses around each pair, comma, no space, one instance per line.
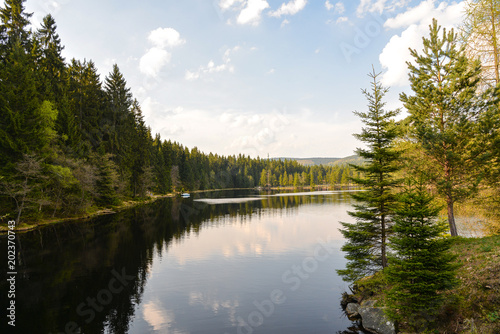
(366,245)
(448,116)
(119,120)
(107,181)
(19,102)
(51,66)
(15,22)
(422,267)
(87,104)
(141,151)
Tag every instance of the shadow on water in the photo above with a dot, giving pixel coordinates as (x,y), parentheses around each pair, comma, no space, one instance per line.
(89,276)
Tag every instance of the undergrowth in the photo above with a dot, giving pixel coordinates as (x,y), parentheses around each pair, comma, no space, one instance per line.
(474,305)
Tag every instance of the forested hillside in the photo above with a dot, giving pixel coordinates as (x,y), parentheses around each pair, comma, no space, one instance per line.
(70,142)
(352,159)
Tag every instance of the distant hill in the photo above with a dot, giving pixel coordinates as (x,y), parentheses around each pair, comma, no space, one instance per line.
(353,159)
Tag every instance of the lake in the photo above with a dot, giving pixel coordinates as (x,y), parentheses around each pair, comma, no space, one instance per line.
(225,262)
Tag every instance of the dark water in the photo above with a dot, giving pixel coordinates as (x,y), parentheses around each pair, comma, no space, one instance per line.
(222,262)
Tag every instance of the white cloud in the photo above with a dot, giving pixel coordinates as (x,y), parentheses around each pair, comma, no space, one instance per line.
(254,133)
(290,8)
(43,7)
(416,20)
(227,54)
(257,134)
(165,37)
(151,108)
(226,4)
(153,61)
(342,19)
(212,68)
(338,8)
(396,53)
(208,69)
(284,23)
(379,6)
(252,12)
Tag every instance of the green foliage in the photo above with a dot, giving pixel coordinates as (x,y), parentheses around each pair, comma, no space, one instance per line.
(47,117)
(449,118)
(14,23)
(493,317)
(107,181)
(366,245)
(480,34)
(422,268)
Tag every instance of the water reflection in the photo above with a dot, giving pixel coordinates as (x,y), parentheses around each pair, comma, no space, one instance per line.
(184,266)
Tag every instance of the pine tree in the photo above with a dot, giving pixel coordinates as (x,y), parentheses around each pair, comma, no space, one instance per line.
(448,116)
(422,267)
(366,245)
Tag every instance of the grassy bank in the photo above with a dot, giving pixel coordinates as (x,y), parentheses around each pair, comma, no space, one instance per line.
(474,305)
(27,224)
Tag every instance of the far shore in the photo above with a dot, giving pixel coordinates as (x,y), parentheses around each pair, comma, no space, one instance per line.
(29,226)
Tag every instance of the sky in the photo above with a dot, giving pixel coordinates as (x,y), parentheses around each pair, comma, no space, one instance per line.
(258,77)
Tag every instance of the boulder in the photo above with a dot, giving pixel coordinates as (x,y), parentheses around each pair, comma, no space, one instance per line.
(352,310)
(374,319)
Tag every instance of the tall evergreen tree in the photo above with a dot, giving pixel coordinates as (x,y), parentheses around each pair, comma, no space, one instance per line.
(422,267)
(141,151)
(87,103)
(449,117)
(14,24)
(52,68)
(119,118)
(366,245)
(19,102)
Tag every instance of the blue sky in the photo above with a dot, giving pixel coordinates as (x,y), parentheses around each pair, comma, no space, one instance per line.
(277,77)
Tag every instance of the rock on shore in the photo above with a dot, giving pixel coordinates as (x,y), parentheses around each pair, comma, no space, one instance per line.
(373,319)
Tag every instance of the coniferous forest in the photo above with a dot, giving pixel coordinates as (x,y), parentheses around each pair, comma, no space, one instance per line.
(70,142)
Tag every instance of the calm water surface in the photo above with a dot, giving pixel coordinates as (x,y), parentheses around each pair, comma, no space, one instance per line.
(221,262)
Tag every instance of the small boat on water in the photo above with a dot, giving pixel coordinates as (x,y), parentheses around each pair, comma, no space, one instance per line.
(185,195)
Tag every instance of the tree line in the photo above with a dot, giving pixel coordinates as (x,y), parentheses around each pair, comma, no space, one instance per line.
(448,147)
(70,142)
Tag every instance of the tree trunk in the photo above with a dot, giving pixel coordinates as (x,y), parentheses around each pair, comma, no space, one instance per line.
(384,242)
(384,255)
(21,207)
(451,218)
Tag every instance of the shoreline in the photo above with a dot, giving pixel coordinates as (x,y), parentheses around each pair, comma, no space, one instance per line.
(29,226)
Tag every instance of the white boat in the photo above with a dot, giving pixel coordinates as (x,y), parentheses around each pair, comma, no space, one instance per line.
(185,195)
